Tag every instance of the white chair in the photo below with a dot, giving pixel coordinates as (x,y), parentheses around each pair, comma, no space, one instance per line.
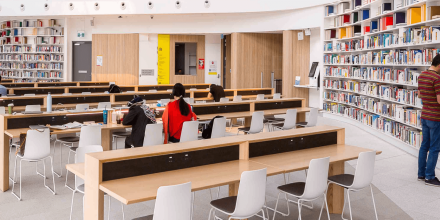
(192,89)
(153,135)
(237,98)
(224,100)
(152,90)
(165,102)
(104,105)
(86,93)
(2,110)
(260,97)
(67,93)
(172,202)
(79,183)
(314,187)
(82,107)
(257,124)
(190,130)
(37,148)
(130,91)
(169,90)
(277,96)
(89,135)
(289,122)
(361,179)
(189,100)
(32,108)
(249,200)
(121,133)
(313,119)
(29,94)
(219,128)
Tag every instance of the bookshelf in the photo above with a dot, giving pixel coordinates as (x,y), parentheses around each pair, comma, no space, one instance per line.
(371,76)
(32,50)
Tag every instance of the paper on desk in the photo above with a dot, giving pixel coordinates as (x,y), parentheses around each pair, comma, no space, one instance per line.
(67,126)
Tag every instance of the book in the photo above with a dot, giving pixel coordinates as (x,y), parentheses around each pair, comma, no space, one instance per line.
(435,33)
(365,14)
(366,29)
(433,11)
(399,17)
(386,7)
(413,15)
(354,17)
(329,10)
(423,13)
(297,80)
(373,25)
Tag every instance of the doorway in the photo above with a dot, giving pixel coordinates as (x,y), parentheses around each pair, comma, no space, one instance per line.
(82,60)
(226,61)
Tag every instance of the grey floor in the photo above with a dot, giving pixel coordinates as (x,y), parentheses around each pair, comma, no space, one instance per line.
(398,195)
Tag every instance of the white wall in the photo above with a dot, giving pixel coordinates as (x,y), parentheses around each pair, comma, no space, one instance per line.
(148,57)
(213,53)
(316,54)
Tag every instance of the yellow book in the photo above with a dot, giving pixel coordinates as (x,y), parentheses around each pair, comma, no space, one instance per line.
(342,33)
(414,15)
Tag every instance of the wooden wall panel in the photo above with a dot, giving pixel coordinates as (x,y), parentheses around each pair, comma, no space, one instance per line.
(253,53)
(226,55)
(296,62)
(187,79)
(120,58)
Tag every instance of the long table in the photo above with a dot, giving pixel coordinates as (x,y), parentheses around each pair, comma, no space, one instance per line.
(134,175)
(52,84)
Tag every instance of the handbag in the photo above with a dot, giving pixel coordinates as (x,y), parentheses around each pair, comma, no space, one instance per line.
(207,132)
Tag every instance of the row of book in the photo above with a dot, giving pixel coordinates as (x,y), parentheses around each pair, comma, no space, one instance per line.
(31,57)
(340,8)
(17,49)
(30,74)
(406,134)
(24,66)
(56,49)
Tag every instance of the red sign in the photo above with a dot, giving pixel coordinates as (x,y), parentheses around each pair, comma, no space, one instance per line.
(201,64)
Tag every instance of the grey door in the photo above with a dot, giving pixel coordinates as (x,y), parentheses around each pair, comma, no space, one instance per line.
(82,60)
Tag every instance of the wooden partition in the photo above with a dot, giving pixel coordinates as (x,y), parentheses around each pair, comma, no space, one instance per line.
(53,84)
(296,62)
(187,79)
(120,54)
(253,54)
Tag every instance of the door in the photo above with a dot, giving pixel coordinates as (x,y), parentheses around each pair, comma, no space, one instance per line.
(82,60)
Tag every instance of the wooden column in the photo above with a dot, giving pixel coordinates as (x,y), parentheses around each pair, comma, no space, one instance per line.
(296,62)
(94,198)
(335,194)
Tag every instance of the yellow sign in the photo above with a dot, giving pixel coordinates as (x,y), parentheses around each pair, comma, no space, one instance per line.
(163,59)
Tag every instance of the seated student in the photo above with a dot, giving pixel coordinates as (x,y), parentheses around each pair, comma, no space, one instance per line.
(3,90)
(138,117)
(175,114)
(216,92)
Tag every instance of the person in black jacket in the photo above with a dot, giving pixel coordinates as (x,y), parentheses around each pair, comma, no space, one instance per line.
(216,92)
(138,117)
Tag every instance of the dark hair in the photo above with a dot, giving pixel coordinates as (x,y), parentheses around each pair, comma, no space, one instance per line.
(179,91)
(212,86)
(436,60)
(0,78)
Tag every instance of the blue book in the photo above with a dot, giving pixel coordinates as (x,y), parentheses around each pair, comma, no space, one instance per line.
(373,25)
(365,14)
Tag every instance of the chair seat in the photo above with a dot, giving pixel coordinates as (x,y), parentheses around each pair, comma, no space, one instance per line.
(68,139)
(296,189)
(272,118)
(122,134)
(345,180)
(149,217)
(73,148)
(225,204)
(301,123)
(245,129)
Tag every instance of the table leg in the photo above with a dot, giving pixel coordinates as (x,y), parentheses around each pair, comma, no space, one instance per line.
(335,194)
(106,139)
(247,121)
(4,164)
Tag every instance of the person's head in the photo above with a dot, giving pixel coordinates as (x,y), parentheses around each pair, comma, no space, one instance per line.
(135,101)
(179,93)
(212,86)
(179,71)
(435,65)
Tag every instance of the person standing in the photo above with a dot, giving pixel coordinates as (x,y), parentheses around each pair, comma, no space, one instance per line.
(216,92)
(429,92)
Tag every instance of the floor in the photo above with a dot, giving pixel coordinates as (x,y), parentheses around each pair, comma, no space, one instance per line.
(395,189)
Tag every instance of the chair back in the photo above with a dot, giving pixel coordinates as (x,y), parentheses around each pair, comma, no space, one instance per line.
(153,135)
(165,101)
(29,94)
(130,91)
(192,89)
(189,100)
(104,105)
(237,98)
(169,90)
(82,107)
(277,96)
(152,90)
(190,130)
(86,93)
(173,202)
(67,93)
(224,100)
(2,110)
(32,108)
(37,144)
(316,182)
(290,121)
(90,135)
(364,170)
(257,124)
(80,158)
(313,117)
(260,97)
(251,193)
(219,128)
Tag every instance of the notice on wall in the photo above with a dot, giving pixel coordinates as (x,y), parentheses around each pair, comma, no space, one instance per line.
(147,72)
(163,59)
(99,60)
(201,64)
(212,68)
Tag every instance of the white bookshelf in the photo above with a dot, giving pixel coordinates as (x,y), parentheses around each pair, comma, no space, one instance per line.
(342,99)
(33,50)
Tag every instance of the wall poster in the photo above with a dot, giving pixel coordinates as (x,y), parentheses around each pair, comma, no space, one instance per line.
(163,59)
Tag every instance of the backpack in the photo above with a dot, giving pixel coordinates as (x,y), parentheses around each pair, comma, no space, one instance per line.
(206,134)
(114,89)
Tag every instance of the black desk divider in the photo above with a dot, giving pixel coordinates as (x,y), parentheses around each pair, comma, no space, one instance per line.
(277,105)
(18,85)
(94,84)
(152,96)
(14,123)
(203,110)
(77,100)
(56,84)
(88,89)
(156,87)
(156,164)
(196,86)
(23,102)
(38,90)
(292,144)
(255,92)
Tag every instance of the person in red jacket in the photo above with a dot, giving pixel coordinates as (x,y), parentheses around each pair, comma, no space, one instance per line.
(175,114)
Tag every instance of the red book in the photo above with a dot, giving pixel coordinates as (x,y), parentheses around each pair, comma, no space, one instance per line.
(346,19)
(366,29)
